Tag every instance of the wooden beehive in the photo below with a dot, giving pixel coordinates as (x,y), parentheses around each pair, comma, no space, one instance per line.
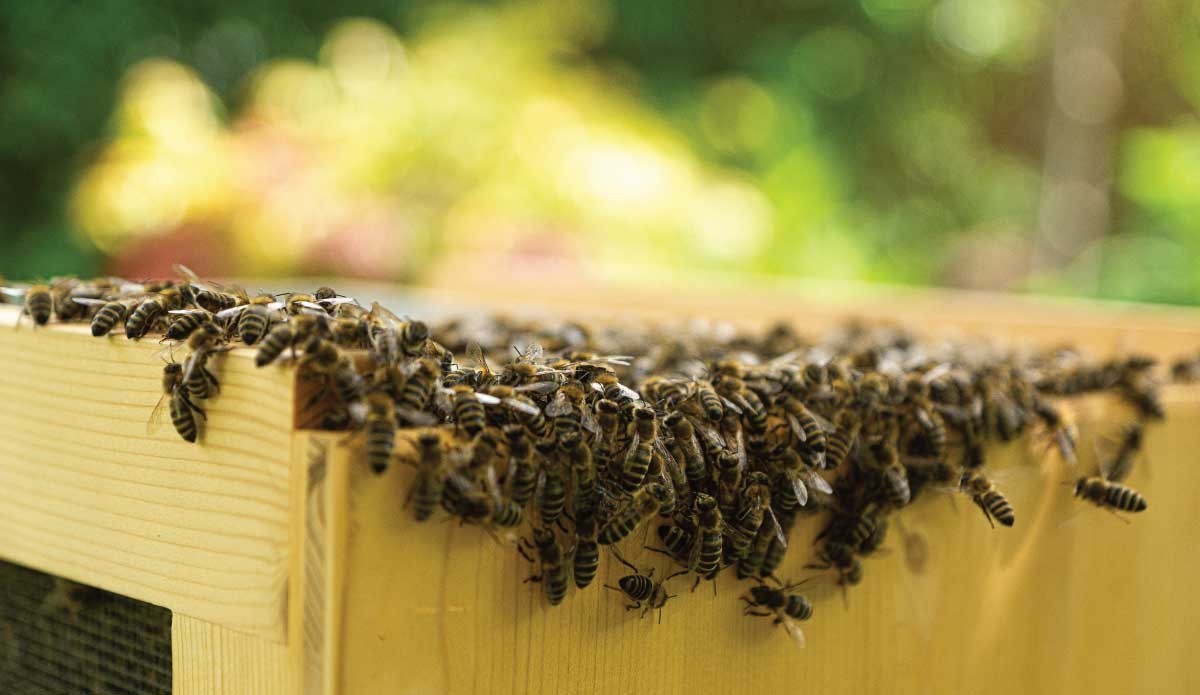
(288,568)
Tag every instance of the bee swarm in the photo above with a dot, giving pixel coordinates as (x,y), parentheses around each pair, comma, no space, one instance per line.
(714,440)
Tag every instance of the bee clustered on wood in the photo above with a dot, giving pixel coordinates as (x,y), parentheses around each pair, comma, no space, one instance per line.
(708,440)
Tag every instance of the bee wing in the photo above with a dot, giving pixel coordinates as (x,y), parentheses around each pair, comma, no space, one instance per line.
(936,373)
(533,352)
(89,301)
(419,418)
(521,406)
(14,292)
(731,405)
(380,310)
(312,305)
(475,354)
(232,311)
(559,406)
(792,628)
(597,388)
(443,400)
(799,488)
(186,273)
(633,442)
(588,420)
(334,301)
(487,399)
(539,387)
(713,440)
(776,528)
(817,482)
(797,428)
(668,457)
(628,392)
(741,450)
(154,424)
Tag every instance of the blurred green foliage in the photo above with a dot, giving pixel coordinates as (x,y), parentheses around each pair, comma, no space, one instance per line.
(896,141)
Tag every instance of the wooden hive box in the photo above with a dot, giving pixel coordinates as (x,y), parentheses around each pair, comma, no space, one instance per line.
(288,568)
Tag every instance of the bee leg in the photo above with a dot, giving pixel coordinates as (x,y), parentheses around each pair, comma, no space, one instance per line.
(634,606)
(987,516)
(524,554)
(1114,513)
(696,583)
(533,578)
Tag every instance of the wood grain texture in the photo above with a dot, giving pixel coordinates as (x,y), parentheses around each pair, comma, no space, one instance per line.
(87,494)
(209,659)
(1069,600)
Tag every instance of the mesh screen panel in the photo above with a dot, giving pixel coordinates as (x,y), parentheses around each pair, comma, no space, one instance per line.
(57,636)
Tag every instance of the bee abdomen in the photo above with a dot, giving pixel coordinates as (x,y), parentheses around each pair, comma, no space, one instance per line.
(106,318)
(427,494)
(618,527)
(639,587)
(708,554)
(798,607)
(524,483)
(273,345)
(999,508)
(555,585)
(183,418)
(554,497)
(381,437)
(1125,498)
(587,561)
(40,306)
(138,323)
(636,466)
(252,324)
(507,514)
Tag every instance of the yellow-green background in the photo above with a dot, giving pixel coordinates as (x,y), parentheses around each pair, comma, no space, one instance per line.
(898,141)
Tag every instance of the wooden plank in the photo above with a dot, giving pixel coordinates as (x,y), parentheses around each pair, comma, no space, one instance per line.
(208,659)
(87,494)
(1069,600)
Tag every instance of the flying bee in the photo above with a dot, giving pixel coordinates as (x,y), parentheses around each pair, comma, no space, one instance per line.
(522,473)
(183,410)
(380,431)
(585,557)
(990,501)
(289,334)
(1127,452)
(1103,491)
(788,609)
(642,590)
(553,575)
(143,318)
(428,485)
(183,322)
(645,503)
(1059,428)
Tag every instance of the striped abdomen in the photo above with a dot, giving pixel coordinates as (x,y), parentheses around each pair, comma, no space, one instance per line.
(710,402)
(507,514)
(142,318)
(553,498)
(638,587)
(524,482)
(798,607)
(677,541)
(706,555)
(197,380)
(39,304)
(252,323)
(182,417)
(1124,498)
(997,507)
(426,493)
(554,583)
(417,391)
(586,561)
(837,445)
(636,464)
(751,564)
(381,437)
(896,486)
(106,318)
(468,411)
(274,344)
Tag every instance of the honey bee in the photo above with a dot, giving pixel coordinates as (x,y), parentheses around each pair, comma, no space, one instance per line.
(107,316)
(1112,496)
(38,303)
(526,410)
(152,309)
(710,402)
(776,550)
(428,485)
(800,476)
(183,410)
(569,412)
(579,458)
(380,431)
(1059,428)
(289,334)
(806,426)
(754,510)
(840,557)
(895,483)
(705,558)
(585,557)
(551,495)
(183,322)
(641,449)
(523,474)
(677,542)
(695,466)
(208,295)
(420,384)
(839,443)
(920,405)
(1127,452)
(553,575)
(642,590)
(990,501)
(204,342)
(468,410)
(645,503)
(788,609)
